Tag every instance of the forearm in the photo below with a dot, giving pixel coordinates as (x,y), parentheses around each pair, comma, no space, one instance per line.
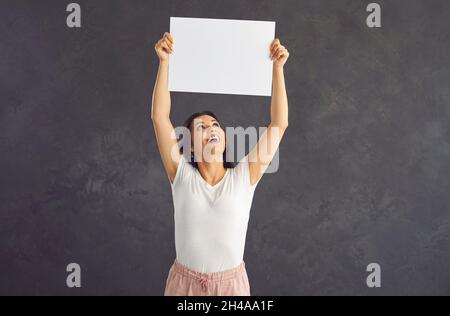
(279,103)
(161,94)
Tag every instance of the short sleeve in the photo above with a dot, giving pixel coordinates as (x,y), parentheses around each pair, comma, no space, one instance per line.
(183,171)
(242,171)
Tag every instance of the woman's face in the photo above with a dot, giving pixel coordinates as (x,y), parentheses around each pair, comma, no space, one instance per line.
(208,138)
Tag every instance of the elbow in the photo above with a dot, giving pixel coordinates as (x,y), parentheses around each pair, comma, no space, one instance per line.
(154,119)
(157,113)
(285,123)
(157,117)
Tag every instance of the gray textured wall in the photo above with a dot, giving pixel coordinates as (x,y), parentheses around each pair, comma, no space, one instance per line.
(364,167)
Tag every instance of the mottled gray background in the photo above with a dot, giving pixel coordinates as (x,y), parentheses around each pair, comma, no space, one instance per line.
(364,167)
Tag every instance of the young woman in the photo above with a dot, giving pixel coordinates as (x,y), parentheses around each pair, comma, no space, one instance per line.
(212,198)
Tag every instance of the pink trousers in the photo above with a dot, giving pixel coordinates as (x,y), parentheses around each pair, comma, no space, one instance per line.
(183,281)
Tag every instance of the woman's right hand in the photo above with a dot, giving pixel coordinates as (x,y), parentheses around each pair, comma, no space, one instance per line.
(164,47)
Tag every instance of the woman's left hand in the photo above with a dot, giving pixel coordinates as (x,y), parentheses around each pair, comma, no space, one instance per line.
(278,53)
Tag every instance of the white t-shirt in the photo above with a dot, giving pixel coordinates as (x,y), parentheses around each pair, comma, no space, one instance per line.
(211,221)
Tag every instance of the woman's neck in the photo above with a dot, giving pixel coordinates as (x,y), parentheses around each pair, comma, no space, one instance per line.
(212,172)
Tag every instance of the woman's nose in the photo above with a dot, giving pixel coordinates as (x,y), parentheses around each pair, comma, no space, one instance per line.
(211,129)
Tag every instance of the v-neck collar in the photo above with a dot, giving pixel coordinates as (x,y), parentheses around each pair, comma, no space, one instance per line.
(209,185)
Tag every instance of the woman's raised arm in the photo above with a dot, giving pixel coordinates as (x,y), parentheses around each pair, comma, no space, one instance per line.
(165,133)
(264,151)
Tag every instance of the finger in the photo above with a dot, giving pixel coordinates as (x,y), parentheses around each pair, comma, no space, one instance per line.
(168,43)
(280,52)
(284,54)
(165,47)
(171,37)
(274,49)
(281,47)
(275,41)
(274,44)
(168,37)
(276,53)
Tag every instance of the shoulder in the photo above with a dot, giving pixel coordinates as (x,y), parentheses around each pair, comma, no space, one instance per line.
(242,172)
(184,171)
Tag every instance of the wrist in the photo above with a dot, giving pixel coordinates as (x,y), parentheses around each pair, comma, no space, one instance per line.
(278,69)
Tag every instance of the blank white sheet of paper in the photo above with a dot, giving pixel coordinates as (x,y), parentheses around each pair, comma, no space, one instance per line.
(221,56)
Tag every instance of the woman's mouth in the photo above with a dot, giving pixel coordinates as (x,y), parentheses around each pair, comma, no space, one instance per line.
(213,139)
